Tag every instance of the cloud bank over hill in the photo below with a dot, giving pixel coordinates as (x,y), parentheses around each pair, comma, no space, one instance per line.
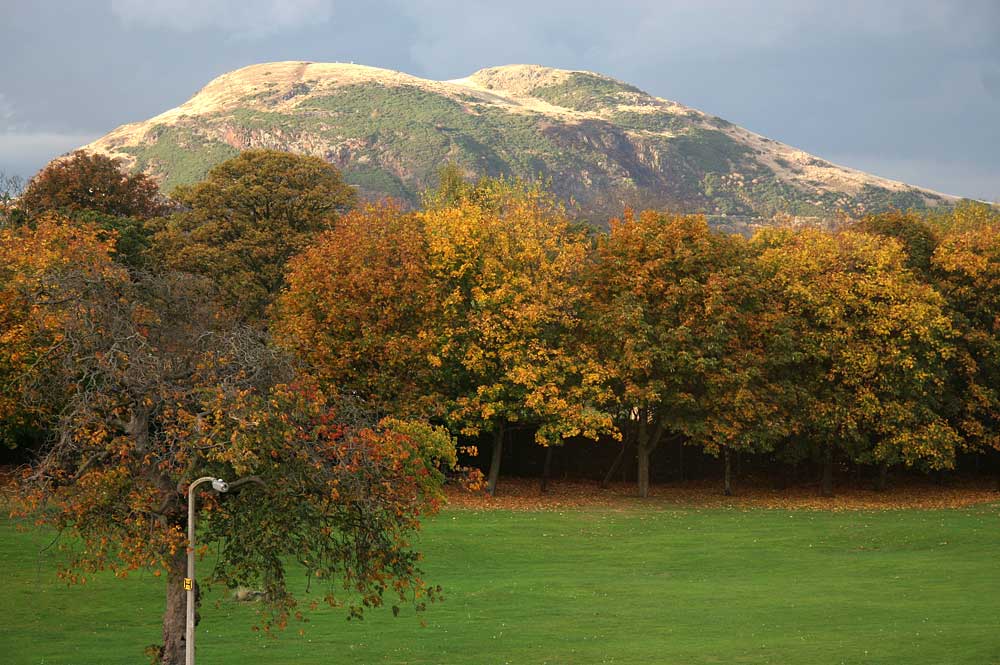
(914,82)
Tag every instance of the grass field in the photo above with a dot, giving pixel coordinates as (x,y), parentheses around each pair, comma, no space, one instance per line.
(642,585)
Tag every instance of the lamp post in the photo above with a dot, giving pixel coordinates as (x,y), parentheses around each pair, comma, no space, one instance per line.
(220,486)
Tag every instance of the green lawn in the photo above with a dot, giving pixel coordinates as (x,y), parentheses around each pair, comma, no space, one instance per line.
(591,586)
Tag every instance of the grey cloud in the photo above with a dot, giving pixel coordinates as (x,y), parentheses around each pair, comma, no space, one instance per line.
(250,18)
(26,152)
(991,81)
(6,112)
(660,29)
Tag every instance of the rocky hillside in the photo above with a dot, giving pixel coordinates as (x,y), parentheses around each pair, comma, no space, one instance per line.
(602,143)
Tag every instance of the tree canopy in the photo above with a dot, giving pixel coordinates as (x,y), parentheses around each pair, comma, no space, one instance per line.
(86,181)
(248,217)
(862,347)
(146,378)
(357,308)
(508,271)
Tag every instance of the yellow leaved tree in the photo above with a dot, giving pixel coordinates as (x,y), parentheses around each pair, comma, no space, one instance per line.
(507,343)
(860,347)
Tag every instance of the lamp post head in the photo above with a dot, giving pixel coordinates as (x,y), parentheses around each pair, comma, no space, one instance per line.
(220,485)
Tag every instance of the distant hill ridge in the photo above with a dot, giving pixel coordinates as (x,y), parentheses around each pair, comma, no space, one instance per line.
(601,143)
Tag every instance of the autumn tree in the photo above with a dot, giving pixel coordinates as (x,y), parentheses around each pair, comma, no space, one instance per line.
(32,262)
(945,248)
(154,384)
(249,216)
(739,398)
(358,306)
(667,311)
(452,188)
(965,216)
(92,191)
(97,190)
(966,268)
(507,349)
(918,235)
(861,348)
(86,181)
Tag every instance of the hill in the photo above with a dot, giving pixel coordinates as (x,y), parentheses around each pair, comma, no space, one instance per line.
(602,143)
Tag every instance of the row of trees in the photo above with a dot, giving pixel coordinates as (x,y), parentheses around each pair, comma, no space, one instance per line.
(262,323)
(490,308)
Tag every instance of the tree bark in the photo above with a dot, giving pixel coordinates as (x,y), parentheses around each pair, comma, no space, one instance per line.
(827,483)
(883,476)
(174,617)
(642,455)
(494,475)
(778,472)
(546,468)
(138,429)
(646,443)
(728,482)
(680,459)
(615,465)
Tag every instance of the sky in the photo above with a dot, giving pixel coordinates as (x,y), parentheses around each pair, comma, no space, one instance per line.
(905,89)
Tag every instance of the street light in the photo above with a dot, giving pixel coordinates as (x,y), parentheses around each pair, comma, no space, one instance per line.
(219,485)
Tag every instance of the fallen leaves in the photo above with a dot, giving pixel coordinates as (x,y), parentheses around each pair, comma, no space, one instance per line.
(523,494)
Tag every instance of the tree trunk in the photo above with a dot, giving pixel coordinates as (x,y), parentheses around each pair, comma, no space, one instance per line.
(996,469)
(778,472)
(827,484)
(642,454)
(138,429)
(174,617)
(680,459)
(739,464)
(883,476)
(614,466)
(645,444)
(546,468)
(494,476)
(728,483)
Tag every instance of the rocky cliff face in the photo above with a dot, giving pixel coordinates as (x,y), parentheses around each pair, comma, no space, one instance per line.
(601,143)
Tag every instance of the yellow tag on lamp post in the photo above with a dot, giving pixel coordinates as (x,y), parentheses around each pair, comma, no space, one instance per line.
(188,584)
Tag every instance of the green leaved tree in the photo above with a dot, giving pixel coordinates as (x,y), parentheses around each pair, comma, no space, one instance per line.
(250,215)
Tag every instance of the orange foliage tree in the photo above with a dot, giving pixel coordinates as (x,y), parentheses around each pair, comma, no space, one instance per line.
(467,312)
(91,182)
(151,384)
(57,260)
(357,306)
